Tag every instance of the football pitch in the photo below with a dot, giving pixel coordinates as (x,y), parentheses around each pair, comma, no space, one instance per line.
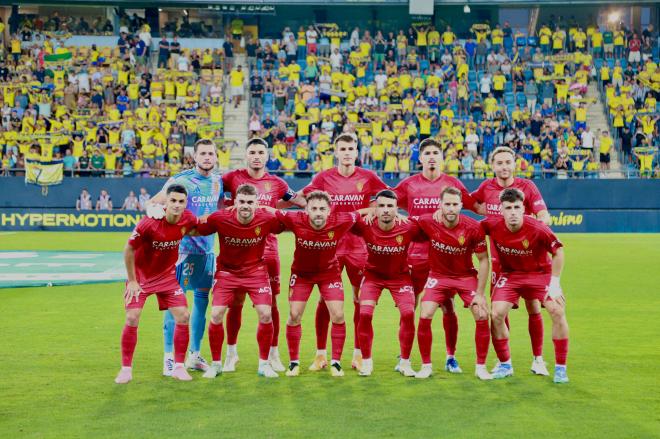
(61,354)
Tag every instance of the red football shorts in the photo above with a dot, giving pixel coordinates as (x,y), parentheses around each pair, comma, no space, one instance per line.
(167,290)
(273,265)
(330,288)
(354,263)
(440,289)
(401,290)
(227,287)
(419,272)
(510,287)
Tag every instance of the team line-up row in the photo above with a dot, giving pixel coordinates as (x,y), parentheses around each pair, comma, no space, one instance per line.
(349,220)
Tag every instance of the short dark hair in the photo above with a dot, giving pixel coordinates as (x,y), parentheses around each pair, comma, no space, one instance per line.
(429,142)
(246,189)
(204,142)
(387,193)
(257,141)
(319,195)
(511,195)
(178,188)
(451,190)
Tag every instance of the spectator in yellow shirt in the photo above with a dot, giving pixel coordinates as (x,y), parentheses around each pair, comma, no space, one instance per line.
(236,80)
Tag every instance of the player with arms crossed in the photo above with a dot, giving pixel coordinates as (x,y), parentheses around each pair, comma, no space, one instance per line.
(351,189)
(453,241)
(318,232)
(150,257)
(419,194)
(273,192)
(387,268)
(196,260)
(524,245)
(242,233)
(503,161)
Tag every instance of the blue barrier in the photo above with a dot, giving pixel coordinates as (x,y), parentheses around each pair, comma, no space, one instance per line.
(576,205)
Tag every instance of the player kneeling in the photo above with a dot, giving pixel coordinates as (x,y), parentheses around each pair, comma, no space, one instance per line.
(240,270)
(150,257)
(453,241)
(523,246)
(387,242)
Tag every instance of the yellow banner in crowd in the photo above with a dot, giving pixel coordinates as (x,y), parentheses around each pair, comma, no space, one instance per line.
(44,173)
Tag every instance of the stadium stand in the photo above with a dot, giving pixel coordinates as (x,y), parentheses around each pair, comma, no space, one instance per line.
(572,101)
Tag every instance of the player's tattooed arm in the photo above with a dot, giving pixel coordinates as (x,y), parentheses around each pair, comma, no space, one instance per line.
(480,208)
(133,289)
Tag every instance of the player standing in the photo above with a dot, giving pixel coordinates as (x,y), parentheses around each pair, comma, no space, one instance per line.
(453,241)
(351,189)
(318,233)
(273,192)
(503,161)
(419,194)
(150,257)
(387,268)
(524,245)
(196,260)
(241,270)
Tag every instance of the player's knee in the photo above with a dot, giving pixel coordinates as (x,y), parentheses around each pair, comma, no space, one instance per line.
(265,316)
(498,316)
(132,319)
(217,316)
(533,306)
(337,318)
(183,318)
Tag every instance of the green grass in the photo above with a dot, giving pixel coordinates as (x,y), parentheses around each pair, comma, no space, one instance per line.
(61,353)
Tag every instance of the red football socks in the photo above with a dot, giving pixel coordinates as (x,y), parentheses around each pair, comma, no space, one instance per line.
(234,320)
(535,326)
(450,323)
(216,338)
(128,342)
(264,337)
(425,339)
(181,339)
(502,349)
(366,330)
(406,333)
(338,336)
(561,351)
(482,340)
(321,322)
(293,336)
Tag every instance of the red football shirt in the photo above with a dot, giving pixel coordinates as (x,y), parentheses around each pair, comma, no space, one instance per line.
(156,243)
(270,189)
(387,250)
(348,194)
(316,250)
(418,195)
(241,245)
(451,250)
(489,193)
(524,251)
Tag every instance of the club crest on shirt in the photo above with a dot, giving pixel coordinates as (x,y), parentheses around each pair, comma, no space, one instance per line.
(216,187)
(183,230)
(257,230)
(399,239)
(331,234)
(267,186)
(525,243)
(461,240)
(360,185)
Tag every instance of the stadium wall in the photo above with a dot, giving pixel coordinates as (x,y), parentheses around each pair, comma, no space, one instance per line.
(613,206)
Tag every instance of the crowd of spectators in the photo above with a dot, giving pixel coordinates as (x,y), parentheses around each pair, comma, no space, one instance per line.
(132,202)
(110,111)
(393,89)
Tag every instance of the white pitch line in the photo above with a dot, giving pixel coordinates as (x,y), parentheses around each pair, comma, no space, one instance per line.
(7,233)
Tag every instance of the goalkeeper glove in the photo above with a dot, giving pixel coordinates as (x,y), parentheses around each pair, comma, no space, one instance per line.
(155,211)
